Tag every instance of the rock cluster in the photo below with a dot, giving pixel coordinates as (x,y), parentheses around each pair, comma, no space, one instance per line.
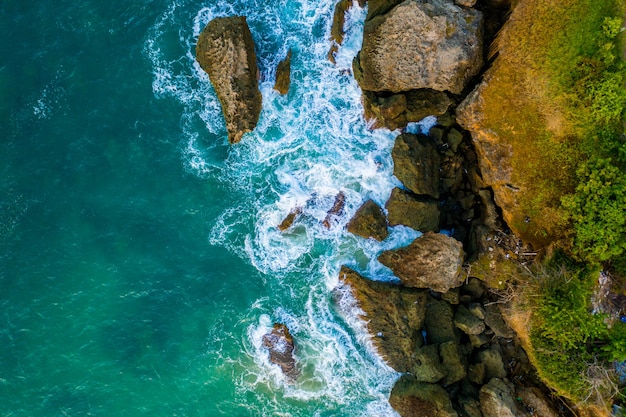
(225,50)
(458,356)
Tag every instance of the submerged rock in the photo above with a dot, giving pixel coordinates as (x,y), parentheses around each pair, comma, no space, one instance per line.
(393,314)
(411,398)
(409,210)
(283,75)
(225,50)
(415,45)
(280,344)
(369,221)
(430,261)
(289,219)
(336,210)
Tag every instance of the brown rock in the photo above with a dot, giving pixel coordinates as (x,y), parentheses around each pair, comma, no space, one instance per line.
(430,261)
(492,359)
(439,322)
(493,319)
(453,362)
(467,322)
(280,344)
(416,164)
(416,45)
(394,315)
(283,75)
(369,221)
(425,102)
(427,365)
(497,399)
(537,401)
(411,398)
(417,213)
(336,210)
(291,217)
(225,50)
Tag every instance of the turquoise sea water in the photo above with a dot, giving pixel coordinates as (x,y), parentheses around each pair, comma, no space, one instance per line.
(140,262)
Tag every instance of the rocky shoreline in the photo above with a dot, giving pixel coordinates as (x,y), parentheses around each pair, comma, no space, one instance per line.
(442,327)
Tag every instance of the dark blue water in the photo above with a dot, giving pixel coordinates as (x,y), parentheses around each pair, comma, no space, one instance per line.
(140,262)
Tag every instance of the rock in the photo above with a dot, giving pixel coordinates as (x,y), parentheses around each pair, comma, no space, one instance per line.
(225,50)
(453,362)
(369,221)
(416,164)
(537,402)
(336,210)
(411,398)
(454,139)
(493,319)
(497,399)
(465,3)
(438,321)
(416,45)
(394,315)
(289,219)
(427,365)
(430,261)
(477,310)
(283,75)
(470,406)
(404,208)
(451,296)
(380,7)
(425,102)
(478,340)
(492,359)
(467,322)
(476,373)
(280,344)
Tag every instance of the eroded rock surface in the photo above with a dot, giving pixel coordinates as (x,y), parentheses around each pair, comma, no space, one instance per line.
(369,221)
(407,209)
(281,347)
(411,398)
(283,75)
(415,45)
(225,50)
(416,163)
(430,261)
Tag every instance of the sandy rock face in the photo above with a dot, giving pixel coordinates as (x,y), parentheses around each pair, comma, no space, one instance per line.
(416,45)
(225,50)
(430,261)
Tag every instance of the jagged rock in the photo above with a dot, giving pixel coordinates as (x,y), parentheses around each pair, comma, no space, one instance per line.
(396,110)
(411,398)
(225,50)
(492,359)
(493,319)
(439,323)
(416,164)
(369,221)
(477,310)
(451,296)
(453,362)
(427,365)
(336,210)
(430,261)
(497,399)
(467,322)
(454,138)
(476,373)
(404,208)
(470,406)
(465,3)
(380,7)
(478,340)
(280,344)
(537,402)
(394,315)
(415,45)
(283,75)
(289,219)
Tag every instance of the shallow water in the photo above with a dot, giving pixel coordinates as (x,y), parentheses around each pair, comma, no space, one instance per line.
(140,262)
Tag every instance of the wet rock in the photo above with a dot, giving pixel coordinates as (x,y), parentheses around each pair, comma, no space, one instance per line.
(283,75)
(439,322)
(537,402)
(493,319)
(427,365)
(467,322)
(415,45)
(336,210)
(430,261)
(425,102)
(497,399)
(404,208)
(289,219)
(416,164)
(369,221)
(453,362)
(280,344)
(225,50)
(394,315)
(411,398)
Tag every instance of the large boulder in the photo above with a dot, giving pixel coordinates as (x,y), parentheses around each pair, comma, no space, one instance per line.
(411,398)
(497,399)
(407,209)
(225,50)
(280,345)
(283,75)
(369,221)
(431,261)
(416,163)
(393,314)
(433,44)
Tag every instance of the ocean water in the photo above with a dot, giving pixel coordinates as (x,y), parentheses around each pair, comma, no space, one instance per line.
(140,263)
